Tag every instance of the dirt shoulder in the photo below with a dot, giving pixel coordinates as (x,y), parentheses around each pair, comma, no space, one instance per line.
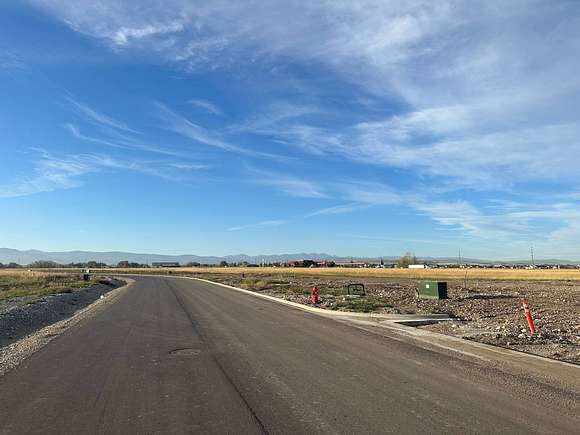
(487,311)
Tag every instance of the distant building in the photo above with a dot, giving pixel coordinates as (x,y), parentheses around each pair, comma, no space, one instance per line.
(356,264)
(325,263)
(165,264)
(416,266)
(300,263)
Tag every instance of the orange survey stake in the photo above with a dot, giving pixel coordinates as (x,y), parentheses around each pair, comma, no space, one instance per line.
(528,315)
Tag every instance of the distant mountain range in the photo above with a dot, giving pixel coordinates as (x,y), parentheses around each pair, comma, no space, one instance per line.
(29,256)
(8,255)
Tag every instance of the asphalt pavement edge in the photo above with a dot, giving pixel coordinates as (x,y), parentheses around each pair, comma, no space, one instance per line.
(14,354)
(404,325)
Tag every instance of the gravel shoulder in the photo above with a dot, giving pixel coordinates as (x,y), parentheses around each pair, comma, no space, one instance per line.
(19,319)
(16,352)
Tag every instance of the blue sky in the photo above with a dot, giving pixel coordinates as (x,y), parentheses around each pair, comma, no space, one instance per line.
(354,128)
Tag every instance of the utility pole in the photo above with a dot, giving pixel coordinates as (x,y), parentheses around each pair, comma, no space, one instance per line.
(459,258)
(532,255)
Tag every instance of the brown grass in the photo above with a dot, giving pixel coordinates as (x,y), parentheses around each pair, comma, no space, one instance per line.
(447,274)
(32,285)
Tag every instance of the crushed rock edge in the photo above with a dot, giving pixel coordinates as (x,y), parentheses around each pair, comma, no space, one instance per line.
(14,354)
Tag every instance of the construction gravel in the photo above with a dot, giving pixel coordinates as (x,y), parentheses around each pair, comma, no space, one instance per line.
(16,352)
(17,320)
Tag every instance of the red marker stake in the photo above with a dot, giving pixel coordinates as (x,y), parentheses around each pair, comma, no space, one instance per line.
(528,315)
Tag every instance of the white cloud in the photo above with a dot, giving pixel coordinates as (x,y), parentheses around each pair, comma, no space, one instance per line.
(207,106)
(124,35)
(367,193)
(189,166)
(53,172)
(263,224)
(288,184)
(98,118)
(338,209)
(182,126)
(10,60)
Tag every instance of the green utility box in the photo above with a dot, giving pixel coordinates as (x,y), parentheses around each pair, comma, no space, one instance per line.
(432,290)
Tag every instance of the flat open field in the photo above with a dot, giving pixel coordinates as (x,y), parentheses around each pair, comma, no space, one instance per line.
(441,274)
(28,286)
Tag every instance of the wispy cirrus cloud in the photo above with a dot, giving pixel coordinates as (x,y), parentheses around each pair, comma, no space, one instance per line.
(475,100)
(98,118)
(339,209)
(125,143)
(189,166)
(49,174)
(206,106)
(186,128)
(470,80)
(10,60)
(113,133)
(262,224)
(52,172)
(288,184)
(125,35)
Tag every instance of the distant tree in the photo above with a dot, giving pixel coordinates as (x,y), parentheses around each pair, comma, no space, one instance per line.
(95,265)
(76,265)
(223,263)
(193,264)
(43,265)
(13,265)
(123,264)
(405,260)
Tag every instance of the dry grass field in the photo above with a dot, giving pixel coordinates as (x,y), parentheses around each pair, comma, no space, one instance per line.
(441,274)
(31,285)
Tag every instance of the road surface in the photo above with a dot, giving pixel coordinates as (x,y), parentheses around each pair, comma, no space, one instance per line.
(176,356)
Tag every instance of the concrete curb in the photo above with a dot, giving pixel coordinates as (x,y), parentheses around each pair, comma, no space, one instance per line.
(395,318)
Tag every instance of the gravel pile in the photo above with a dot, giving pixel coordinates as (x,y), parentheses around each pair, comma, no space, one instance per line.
(18,320)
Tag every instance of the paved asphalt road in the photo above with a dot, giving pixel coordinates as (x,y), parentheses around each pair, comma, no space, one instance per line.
(180,356)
